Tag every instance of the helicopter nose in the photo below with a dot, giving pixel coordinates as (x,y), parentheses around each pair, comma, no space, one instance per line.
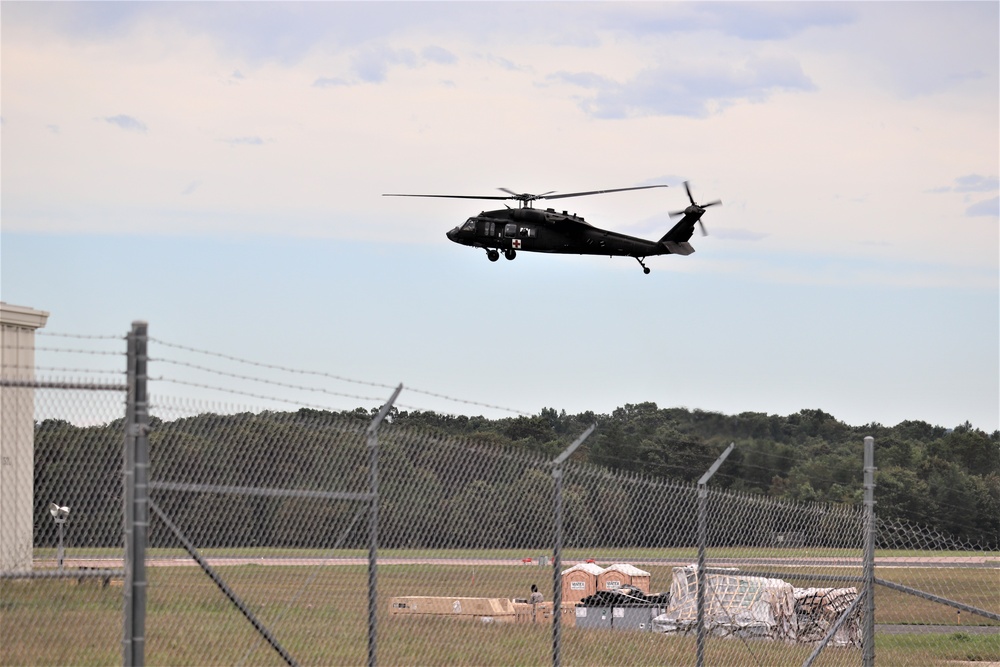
(453,234)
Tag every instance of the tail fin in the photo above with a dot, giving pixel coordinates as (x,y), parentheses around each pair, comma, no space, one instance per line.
(676,240)
(675,248)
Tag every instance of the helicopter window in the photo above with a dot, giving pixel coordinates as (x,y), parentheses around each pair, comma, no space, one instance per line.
(526,231)
(510,230)
(469,226)
(485,228)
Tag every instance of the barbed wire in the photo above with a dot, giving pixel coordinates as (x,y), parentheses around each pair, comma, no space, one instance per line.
(57,369)
(35,348)
(331,376)
(259,364)
(42,332)
(375,399)
(228,390)
(237,376)
(287,385)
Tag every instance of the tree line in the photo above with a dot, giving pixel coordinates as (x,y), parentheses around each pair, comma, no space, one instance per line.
(946,479)
(460,481)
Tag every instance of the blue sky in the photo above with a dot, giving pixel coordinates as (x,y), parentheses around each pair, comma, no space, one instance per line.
(216,169)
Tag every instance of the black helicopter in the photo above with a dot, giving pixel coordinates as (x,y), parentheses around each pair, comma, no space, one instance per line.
(533,230)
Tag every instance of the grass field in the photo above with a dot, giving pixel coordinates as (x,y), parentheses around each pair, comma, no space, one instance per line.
(319,614)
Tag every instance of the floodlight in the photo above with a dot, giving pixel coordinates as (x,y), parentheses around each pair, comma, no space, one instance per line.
(59,514)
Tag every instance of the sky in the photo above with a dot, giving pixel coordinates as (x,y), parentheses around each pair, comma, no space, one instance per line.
(216,169)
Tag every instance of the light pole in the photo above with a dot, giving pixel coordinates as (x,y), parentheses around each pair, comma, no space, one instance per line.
(59,515)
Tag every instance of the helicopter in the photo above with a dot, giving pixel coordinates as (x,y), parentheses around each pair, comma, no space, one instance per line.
(529,229)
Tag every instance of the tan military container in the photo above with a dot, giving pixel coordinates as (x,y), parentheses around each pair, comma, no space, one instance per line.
(487,610)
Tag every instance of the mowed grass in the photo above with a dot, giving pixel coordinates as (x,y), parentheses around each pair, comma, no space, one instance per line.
(319,614)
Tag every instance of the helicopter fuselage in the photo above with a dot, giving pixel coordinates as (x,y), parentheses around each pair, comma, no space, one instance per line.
(534,230)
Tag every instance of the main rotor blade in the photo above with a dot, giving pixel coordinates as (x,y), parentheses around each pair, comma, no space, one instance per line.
(449,196)
(527,196)
(599,192)
(711,203)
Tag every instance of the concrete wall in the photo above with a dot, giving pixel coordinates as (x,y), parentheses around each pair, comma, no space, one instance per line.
(17,430)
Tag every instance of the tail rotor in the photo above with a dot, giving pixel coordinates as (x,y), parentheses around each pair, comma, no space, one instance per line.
(695,209)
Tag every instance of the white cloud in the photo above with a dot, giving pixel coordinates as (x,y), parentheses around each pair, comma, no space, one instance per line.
(439,55)
(327,82)
(976,183)
(686,88)
(244,141)
(988,208)
(127,123)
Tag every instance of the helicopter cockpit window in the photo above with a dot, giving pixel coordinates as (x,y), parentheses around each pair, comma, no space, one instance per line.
(469,226)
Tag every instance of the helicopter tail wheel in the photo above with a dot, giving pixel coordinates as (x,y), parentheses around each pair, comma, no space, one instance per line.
(492,255)
(510,253)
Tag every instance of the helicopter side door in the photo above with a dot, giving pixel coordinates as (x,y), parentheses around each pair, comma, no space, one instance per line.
(513,230)
(486,228)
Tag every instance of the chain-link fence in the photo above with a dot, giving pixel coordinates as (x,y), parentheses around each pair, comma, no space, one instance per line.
(61,599)
(260,550)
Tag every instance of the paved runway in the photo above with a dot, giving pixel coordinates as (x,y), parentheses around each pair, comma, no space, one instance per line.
(980,562)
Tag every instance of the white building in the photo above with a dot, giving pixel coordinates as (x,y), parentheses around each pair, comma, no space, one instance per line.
(17,431)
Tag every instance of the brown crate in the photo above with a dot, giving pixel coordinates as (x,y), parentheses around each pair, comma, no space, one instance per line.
(541,613)
(498,610)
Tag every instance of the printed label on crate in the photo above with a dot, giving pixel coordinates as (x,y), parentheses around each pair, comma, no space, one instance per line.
(618,612)
(578,585)
(581,612)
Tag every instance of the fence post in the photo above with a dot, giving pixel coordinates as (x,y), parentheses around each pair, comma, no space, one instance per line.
(128,492)
(372,436)
(868,627)
(136,475)
(702,540)
(557,473)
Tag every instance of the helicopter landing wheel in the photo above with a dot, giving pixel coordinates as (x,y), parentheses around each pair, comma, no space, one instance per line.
(645,269)
(492,255)
(510,253)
